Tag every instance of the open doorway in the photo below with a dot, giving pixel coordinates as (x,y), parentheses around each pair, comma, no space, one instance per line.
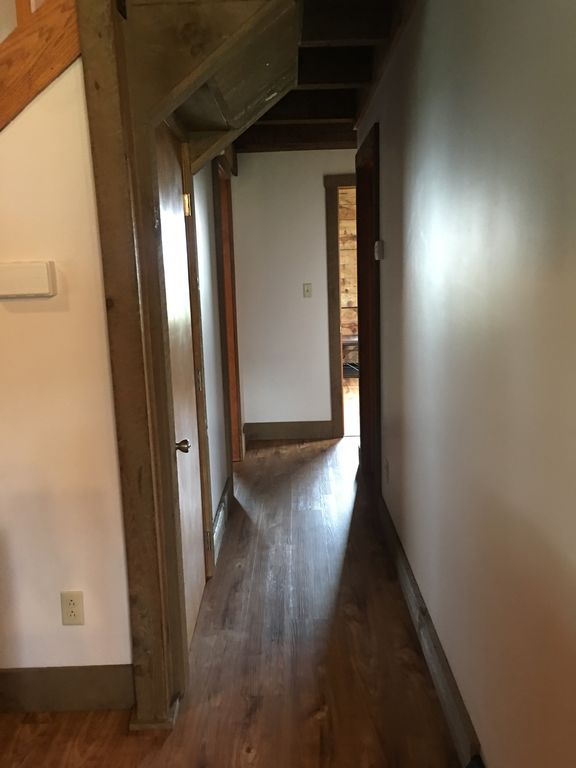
(349,308)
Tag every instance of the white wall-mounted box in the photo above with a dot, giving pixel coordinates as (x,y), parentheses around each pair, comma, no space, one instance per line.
(27,280)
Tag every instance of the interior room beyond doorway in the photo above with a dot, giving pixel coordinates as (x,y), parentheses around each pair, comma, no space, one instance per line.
(349,308)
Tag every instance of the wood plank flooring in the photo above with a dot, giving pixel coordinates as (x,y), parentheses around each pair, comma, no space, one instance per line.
(303,656)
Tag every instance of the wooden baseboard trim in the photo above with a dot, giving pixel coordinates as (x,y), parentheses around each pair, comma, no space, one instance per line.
(58,689)
(290,430)
(221,517)
(459,722)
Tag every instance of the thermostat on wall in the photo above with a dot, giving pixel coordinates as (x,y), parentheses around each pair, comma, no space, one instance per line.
(27,280)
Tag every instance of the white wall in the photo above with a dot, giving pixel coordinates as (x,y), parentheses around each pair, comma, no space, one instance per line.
(208,278)
(479,356)
(280,243)
(60,515)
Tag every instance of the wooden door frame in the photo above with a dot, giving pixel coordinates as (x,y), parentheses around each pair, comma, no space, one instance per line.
(223,168)
(368,232)
(123,154)
(129,92)
(331,185)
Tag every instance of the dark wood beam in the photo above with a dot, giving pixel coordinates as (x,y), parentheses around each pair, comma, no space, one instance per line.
(282,138)
(228,162)
(335,106)
(334,67)
(339,26)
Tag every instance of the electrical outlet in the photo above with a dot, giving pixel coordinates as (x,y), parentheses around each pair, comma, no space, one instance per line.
(72,604)
(307,290)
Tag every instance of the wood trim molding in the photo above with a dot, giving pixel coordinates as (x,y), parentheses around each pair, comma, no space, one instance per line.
(130,360)
(225,276)
(222,168)
(459,722)
(288,430)
(41,47)
(57,689)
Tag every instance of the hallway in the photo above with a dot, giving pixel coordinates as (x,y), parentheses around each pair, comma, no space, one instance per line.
(304,655)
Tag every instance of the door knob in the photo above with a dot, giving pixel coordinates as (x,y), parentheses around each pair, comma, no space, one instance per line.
(183,445)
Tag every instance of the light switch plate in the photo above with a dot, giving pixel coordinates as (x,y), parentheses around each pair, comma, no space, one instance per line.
(307,290)
(27,280)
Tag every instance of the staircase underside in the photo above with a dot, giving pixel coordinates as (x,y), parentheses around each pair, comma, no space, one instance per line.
(343,47)
(265,74)
(210,69)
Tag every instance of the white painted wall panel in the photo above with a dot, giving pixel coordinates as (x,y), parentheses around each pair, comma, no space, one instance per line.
(280,243)
(60,515)
(478,211)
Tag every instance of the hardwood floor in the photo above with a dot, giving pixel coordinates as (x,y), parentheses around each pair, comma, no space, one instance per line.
(303,656)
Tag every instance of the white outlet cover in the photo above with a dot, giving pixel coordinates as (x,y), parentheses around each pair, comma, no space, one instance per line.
(72,605)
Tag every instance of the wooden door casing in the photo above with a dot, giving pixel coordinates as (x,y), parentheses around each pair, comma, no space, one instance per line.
(182,372)
(227,290)
(368,232)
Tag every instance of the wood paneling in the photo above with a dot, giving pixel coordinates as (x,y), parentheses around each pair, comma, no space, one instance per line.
(347,231)
(40,48)
(349,321)
(304,654)
(348,267)
(347,204)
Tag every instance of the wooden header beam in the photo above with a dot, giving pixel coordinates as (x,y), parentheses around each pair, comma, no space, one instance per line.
(278,138)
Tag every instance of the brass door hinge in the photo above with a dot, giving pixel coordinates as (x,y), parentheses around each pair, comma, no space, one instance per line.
(187,204)
(208,539)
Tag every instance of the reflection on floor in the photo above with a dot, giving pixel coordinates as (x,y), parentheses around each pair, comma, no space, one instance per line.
(351,407)
(303,657)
